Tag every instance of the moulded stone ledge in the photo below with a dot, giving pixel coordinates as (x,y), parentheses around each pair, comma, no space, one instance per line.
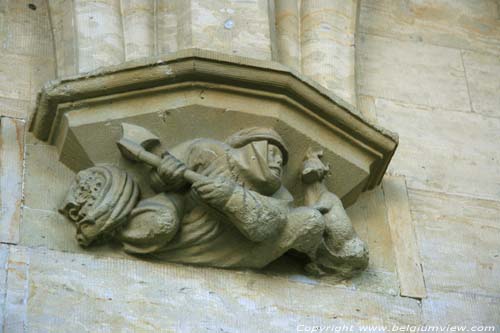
(198,93)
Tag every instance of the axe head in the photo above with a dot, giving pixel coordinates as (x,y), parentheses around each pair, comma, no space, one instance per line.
(135,139)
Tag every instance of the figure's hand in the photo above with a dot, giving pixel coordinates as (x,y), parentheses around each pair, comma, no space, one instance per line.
(214,191)
(171,171)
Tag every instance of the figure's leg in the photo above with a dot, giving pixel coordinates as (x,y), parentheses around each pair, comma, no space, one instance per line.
(303,232)
(152,224)
(306,226)
(341,251)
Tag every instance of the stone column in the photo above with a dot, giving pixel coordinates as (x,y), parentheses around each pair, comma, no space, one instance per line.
(327,44)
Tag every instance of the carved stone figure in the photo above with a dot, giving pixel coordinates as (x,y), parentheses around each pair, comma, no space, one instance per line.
(219,204)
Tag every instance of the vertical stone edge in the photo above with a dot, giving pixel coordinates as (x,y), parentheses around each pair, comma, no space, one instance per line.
(16,294)
(11,178)
(408,262)
(285,26)
(4,254)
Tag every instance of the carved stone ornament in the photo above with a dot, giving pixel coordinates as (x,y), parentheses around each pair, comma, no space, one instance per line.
(206,159)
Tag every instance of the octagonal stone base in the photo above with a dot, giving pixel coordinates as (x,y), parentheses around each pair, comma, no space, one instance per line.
(200,94)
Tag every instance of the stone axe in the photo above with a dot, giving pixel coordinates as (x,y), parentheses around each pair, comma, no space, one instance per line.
(134,145)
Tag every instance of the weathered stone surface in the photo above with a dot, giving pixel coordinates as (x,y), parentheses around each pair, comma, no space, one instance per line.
(483,78)
(327,44)
(232,27)
(99,34)
(46,178)
(11,178)
(49,229)
(64,36)
(460,24)
(435,155)
(21,77)
(369,218)
(26,28)
(15,76)
(138,28)
(458,239)
(410,72)
(403,238)
(4,255)
(74,292)
(287,19)
(16,294)
(462,309)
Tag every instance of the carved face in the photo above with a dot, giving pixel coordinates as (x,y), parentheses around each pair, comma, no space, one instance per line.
(275,160)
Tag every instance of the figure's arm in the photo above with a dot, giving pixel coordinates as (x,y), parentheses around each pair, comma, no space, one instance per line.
(256,216)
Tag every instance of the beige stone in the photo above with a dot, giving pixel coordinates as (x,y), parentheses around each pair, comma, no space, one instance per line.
(64,35)
(17,291)
(434,153)
(11,178)
(411,72)
(288,33)
(27,28)
(21,78)
(458,239)
(4,256)
(99,34)
(46,178)
(462,309)
(409,266)
(78,292)
(232,27)
(312,111)
(15,77)
(138,28)
(327,44)
(459,24)
(483,79)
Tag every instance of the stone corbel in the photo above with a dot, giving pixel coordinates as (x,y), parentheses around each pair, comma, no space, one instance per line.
(201,135)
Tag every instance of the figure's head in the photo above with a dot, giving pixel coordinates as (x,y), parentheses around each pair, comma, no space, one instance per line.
(262,154)
(99,201)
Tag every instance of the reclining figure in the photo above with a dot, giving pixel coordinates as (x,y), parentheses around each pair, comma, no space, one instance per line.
(239,215)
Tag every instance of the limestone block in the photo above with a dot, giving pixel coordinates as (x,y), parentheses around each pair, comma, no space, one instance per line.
(99,34)
(138,28)
(16,294)
(11,178)
(64,32)
(27,28)
(172,17)
(79,292)
(21,77)
(49,229)
(366,106)
(412,72)
(483,78)
(458,240)
(15,75)
(461,309)
(369,218)
(46,179)
(327,44)
(232,27)
(409,266)
(460,24)
(4,255)
(434,153)
(14,108)
(288,32)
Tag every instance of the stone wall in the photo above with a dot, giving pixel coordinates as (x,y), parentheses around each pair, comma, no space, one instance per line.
(429,70)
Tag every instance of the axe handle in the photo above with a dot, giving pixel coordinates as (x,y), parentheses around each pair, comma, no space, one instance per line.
(155,161)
